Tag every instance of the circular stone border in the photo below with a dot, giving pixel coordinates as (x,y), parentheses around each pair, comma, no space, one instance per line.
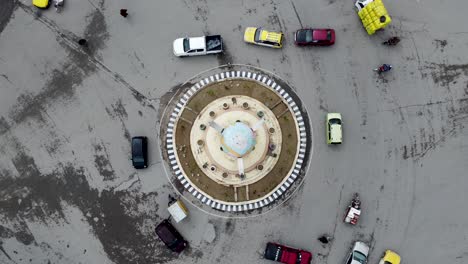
(281,192)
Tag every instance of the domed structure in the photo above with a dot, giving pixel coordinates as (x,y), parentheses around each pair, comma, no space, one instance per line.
(232,140)
(238,139)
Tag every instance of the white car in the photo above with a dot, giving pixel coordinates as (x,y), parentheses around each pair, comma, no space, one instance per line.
(197,46)
(358,254)
(333,126)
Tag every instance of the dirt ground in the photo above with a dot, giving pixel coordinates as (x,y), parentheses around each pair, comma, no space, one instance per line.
(236,87)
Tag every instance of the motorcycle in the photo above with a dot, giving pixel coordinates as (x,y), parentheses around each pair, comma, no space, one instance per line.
(383,68)
(354,210)
(58,4)
(391,41)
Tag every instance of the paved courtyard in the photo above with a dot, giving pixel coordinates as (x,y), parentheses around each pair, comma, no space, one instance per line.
(68,192)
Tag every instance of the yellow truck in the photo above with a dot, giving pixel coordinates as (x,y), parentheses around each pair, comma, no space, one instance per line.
(373,15)
(41,3)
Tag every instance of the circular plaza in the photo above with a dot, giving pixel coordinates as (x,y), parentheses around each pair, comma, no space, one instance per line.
(235,140)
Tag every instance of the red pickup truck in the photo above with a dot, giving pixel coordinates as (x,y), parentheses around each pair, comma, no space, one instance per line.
(286,254)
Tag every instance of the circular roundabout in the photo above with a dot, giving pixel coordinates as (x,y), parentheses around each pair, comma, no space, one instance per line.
(236,141)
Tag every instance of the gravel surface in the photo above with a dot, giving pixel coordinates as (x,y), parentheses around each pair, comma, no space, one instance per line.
(68,193)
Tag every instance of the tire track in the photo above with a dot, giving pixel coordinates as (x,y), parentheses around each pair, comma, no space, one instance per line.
(69,40)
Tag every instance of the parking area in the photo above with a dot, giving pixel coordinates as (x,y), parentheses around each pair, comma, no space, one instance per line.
(68,191)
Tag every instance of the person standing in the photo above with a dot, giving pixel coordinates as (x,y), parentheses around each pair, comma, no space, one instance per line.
(123,12)
(325,239)
(82,42)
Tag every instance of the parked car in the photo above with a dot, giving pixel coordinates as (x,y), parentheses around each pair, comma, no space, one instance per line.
(334,128)
(140,152)
(314,37)
(170,236)
(358,254)
(286,254)
(263,37)
(390,257)
(41,3)
(196,46)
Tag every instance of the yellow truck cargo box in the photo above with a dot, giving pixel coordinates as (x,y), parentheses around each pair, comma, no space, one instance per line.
(374,16)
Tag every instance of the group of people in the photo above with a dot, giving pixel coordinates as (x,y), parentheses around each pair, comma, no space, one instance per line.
(390,42)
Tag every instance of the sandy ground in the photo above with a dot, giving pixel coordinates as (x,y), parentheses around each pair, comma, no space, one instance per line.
(69,194)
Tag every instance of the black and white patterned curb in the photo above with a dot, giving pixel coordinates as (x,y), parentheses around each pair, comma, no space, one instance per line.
(206,199)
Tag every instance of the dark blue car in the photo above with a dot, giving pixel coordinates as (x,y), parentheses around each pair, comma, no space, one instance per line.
(140,152)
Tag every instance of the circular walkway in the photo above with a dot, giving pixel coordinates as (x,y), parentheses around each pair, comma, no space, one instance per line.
(236,140)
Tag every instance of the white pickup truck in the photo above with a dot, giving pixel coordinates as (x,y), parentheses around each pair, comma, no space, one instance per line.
(198,46)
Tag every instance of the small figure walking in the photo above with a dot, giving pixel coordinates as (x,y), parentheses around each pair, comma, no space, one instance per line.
(123,12)
(171,200)
(325,239)
(83,42)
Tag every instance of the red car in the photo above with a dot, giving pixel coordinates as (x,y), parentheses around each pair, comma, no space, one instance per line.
(314,37)
(286,254)
(170,236)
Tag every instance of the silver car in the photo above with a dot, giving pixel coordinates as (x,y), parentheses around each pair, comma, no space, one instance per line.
(358,254)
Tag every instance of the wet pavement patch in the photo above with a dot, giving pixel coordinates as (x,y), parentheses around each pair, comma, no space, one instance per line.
(229,227)
(440,44)
(6,12)
(63,81)
(4,126)
(81,62)
(225,57)
(54,145)
(119,219)
(28,106)
(119,112)
(446,74)
(119,109)
(96,31)
(101,161)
